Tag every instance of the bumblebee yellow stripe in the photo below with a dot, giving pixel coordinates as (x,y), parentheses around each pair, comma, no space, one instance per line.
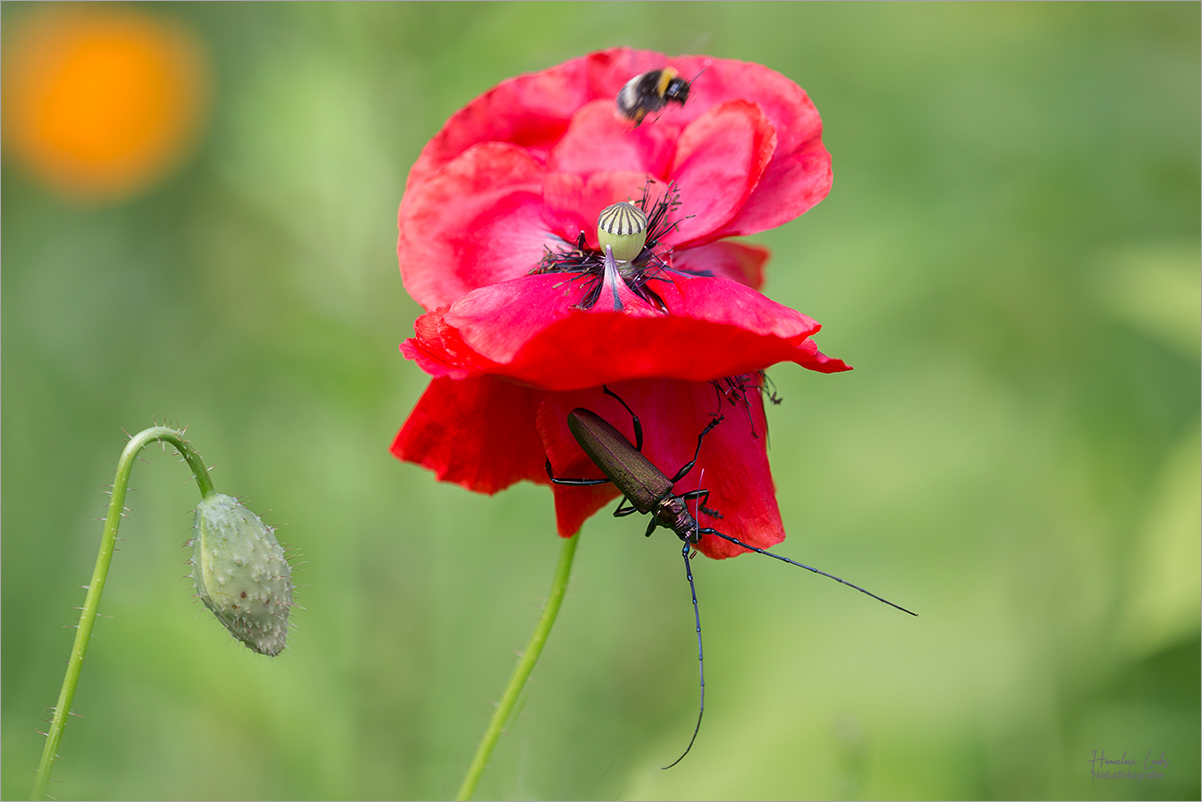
(665,77)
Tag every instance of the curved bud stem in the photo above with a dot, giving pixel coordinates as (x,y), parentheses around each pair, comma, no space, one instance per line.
(522,672)
(92,603)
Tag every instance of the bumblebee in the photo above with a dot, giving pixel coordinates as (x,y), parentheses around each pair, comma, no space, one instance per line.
(650,92)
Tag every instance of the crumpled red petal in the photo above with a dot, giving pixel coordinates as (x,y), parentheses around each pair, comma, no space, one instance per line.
(597,141)
(738,261)
(478,433)
(479,221)
(732,464)
(720,159)
(573,203)
(528,331)
(791,185)
(533,110)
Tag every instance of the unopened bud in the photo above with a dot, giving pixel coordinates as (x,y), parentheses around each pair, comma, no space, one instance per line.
(241,574)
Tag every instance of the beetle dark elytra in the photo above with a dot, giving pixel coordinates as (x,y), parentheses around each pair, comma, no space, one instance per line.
(648,490)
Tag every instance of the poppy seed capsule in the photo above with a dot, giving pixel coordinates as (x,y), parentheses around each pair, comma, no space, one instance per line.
(623,227)
(241,574)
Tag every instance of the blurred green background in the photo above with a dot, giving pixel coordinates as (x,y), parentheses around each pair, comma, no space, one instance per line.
(1009,258)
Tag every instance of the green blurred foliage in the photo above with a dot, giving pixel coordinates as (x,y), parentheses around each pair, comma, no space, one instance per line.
(1009,258)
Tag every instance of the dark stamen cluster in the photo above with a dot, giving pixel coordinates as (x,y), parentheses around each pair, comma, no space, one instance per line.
(734,389)
(589,264)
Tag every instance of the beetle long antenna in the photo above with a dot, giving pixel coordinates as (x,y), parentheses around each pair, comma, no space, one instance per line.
(688,570)
(738,542)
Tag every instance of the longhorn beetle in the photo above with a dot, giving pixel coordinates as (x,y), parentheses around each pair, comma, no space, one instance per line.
(648,490)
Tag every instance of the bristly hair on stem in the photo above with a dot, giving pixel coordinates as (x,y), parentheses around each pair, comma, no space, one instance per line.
(589,264)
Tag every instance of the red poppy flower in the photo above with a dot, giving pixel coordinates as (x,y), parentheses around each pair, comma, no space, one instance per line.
(529,318)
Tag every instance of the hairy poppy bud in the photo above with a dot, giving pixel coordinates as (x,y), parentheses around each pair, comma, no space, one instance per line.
(241,574)
(623,227)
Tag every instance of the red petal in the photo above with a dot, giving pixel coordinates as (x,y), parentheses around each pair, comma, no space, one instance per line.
(478,221)
(799,174)
(528,330)
(791,185)
(573,203)
(720,159)
(533,110)
(597,141)
(739,261)
(496,322)
(429,349)
(478,433)
(782,101)
(732,463)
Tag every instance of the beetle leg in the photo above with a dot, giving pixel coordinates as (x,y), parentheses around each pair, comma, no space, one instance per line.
(651,527)
(703,496)
(572,482)
(688,466)
(622,512)
(638,427)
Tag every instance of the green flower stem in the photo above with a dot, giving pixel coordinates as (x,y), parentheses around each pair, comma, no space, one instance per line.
(92,603)
(522,672)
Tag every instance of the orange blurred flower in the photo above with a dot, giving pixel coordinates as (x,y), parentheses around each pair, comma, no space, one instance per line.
(99,102)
